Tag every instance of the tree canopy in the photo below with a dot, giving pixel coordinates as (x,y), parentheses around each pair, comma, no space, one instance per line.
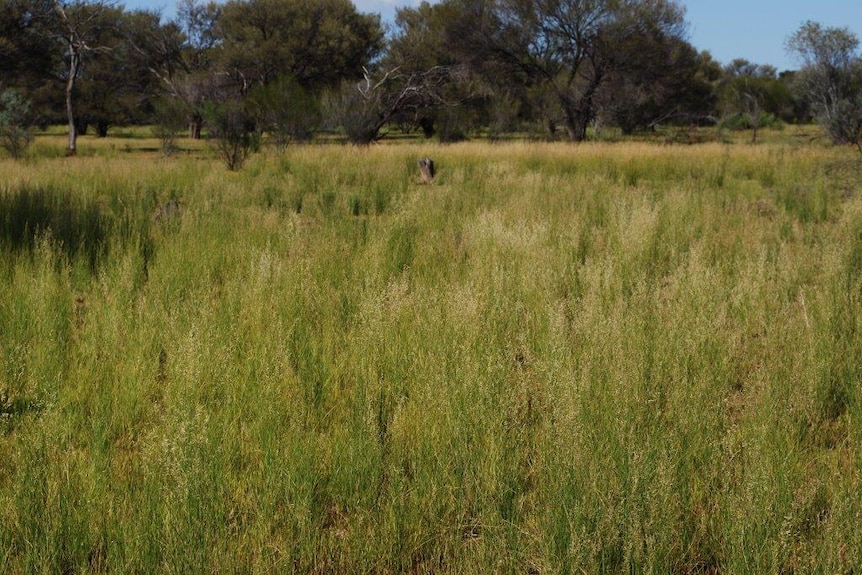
(831,78)
(317,42)
(579,66)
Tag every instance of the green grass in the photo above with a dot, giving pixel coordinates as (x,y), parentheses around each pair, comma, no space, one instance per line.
(604,358)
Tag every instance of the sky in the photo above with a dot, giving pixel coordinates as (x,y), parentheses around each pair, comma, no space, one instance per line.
(752,29)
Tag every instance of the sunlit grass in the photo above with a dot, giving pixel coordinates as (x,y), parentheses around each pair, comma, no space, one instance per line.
(610,358)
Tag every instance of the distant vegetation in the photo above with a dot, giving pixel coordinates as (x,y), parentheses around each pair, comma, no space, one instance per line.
(452,70)
(608,358)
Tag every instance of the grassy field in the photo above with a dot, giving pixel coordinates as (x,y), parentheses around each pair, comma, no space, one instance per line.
(604,358)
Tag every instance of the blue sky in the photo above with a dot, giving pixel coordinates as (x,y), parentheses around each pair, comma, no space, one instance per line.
(756,29)
(752,29)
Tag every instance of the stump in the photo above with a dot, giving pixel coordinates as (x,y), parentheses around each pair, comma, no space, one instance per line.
(426,167)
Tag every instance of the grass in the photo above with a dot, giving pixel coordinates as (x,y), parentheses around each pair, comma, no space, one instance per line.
(602,358)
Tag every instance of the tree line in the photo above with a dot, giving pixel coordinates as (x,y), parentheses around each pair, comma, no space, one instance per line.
(290,68)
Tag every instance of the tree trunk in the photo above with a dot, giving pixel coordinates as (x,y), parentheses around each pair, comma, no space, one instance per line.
(579,110)
(427,126)
(195,126)
(576,126)
(82,126)
(74,61)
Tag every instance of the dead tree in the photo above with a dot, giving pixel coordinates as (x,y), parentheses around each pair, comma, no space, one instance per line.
(376,103)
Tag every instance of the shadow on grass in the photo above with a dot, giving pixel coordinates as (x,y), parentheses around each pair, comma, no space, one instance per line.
(73,224)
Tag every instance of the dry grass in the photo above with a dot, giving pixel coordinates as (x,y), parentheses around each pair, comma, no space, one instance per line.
(554,359)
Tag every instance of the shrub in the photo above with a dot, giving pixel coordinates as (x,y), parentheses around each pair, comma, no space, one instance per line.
(15,135)
(233,128)
(286,110)
(361,116)
(170,119)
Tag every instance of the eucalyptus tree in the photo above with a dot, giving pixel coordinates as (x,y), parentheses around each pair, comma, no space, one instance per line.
(831,78)
(76,28)
(181,55)
(657,77)
(569,50)
(422,53)
(317,43)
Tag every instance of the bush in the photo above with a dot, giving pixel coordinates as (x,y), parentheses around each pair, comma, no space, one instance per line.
(450,126)
(360,116)
(286,110)
(170,119)
(232,125)
(15,135)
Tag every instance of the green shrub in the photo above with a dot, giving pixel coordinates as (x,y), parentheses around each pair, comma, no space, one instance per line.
(171,116)
(233,127)
(15,135)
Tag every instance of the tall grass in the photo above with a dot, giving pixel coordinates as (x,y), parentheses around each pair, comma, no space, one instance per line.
(554,359)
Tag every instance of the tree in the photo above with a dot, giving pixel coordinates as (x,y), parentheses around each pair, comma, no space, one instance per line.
(746,94)
(419,45)
(169,119)
(362,109)
(657,76)
(75,27)
(119,70)
(181,55)
(197,82)
(570,49)
(318,43)
(24,61)
(831,78)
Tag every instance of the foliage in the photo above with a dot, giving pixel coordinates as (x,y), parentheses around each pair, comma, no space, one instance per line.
(79,30)
(171,116)
(185,58)
(452,124)
(232,126)
(751,97)
(831,78)
(359,115)
(119,69)
(421,42)
(286,110)
(24,61)
(363,109)
(497,65)
(659,80)
(573,51)
(15,134)
(319,43)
